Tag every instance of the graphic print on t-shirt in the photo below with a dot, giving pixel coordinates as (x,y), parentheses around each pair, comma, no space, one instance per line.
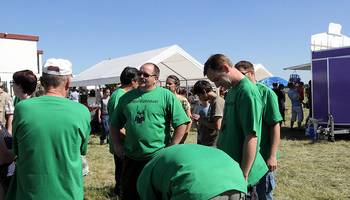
(140,116)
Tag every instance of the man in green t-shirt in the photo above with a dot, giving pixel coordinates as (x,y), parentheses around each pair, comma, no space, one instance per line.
(146,114)
(240,130)
(270,135)
(50,133)
(212,122)
(128,80)
(184,172)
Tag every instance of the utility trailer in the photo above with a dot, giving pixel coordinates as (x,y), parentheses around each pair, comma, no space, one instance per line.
(331,91)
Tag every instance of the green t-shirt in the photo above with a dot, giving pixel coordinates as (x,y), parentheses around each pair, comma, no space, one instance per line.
(146,117)
(242,116)
(112,106)
(190,172)
(113,100)
(49,136)
(271,116)
(16,100)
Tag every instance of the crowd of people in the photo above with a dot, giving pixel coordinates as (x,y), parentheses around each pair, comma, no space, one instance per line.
(44,139)
(296,93)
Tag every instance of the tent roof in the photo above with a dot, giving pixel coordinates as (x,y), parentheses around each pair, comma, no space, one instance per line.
(274,79)
(306,66)
(261,72)
(171,60)
(329,40)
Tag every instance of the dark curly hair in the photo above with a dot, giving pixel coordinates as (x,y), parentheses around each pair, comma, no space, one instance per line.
(27,80)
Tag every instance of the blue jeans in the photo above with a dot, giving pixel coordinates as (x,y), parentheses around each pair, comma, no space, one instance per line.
(265,186)
(105,127)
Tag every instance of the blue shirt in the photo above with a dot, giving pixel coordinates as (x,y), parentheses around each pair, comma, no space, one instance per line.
(294,97)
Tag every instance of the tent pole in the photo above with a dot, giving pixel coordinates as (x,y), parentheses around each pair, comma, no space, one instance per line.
(178,75)
(173,70)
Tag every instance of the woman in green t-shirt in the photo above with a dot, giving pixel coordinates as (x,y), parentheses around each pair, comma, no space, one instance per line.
(24,84)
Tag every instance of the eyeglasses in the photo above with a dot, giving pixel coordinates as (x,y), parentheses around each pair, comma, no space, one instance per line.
(145,75)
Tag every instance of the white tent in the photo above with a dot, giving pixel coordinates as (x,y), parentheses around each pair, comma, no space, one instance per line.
(261,72)
(172,60)
(331,39)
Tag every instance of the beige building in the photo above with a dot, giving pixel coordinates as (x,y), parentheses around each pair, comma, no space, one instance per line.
(18,52)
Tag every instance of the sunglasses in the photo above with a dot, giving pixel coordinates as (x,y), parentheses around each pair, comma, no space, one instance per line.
(145,75)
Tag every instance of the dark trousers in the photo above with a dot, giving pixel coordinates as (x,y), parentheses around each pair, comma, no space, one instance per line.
(118,163)
(282,111)
(265,186)
(105,127)
(131,171)
(252,193)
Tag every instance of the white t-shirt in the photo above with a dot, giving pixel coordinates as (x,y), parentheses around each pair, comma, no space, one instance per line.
(74,96)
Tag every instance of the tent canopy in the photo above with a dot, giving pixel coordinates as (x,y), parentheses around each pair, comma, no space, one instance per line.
(274,79)
(261,72)
(306,67)
(172,60)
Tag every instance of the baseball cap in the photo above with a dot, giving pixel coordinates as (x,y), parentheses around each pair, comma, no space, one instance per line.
(56,66)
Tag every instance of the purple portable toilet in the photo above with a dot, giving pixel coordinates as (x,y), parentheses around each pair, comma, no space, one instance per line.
(331,88)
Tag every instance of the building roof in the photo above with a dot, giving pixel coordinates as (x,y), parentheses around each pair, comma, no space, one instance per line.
(19,37)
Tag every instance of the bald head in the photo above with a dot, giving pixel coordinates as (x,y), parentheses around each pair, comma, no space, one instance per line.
(153,67)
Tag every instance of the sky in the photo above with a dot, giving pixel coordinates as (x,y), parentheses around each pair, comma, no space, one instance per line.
(274,33)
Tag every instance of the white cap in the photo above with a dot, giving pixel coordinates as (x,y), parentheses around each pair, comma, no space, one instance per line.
(59,67)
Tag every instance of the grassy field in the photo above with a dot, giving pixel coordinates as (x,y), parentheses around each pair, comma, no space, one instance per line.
(306,170)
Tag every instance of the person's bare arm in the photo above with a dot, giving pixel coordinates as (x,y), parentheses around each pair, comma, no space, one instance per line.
(6,156)
(275,140)
(99,113)
(216,124)
(189,125)
(179,134)
(116,140)
(248,154)
(9,123)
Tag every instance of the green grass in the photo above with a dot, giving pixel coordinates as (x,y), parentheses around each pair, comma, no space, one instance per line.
(313,170)
(306,170)
(100,181)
